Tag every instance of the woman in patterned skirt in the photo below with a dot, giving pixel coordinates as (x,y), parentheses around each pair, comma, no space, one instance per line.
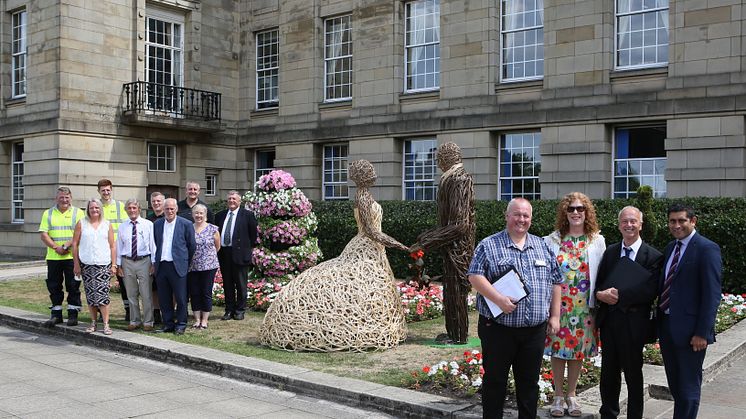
(93,253)
(578,246)
(204,265)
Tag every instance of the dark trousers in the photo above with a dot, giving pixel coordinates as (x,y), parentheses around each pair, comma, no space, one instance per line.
(683,372)
(623,339)
(171,287)
(60,272)
(503,347)
(234,281)
(200,289)
(123,291)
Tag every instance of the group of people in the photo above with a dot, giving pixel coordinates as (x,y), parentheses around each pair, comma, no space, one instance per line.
(161,262)
(581,292)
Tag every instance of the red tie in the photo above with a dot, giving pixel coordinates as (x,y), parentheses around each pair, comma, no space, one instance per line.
(666,294)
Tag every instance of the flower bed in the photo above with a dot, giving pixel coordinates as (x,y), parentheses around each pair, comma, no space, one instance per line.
(420,303)
(461,378)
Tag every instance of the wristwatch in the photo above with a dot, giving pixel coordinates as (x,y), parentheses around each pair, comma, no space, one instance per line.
(64,247)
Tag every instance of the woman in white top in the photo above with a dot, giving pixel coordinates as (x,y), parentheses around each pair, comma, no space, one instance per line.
(94,251)
(578,245)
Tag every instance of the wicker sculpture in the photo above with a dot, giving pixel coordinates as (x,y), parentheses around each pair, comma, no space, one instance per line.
(348,303)
(454,236)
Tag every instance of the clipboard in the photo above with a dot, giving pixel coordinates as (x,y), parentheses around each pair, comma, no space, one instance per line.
(510,284)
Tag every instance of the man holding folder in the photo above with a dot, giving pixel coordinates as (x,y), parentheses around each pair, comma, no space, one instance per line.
(626,286)
(513,336)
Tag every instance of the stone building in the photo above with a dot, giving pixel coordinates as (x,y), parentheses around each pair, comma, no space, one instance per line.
(544,97)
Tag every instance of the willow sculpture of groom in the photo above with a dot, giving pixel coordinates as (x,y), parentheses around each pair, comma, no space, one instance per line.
(454,237)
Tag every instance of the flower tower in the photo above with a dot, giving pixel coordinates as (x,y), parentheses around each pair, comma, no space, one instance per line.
(286,244)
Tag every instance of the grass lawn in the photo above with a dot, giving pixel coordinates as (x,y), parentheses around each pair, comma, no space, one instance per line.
(390,367)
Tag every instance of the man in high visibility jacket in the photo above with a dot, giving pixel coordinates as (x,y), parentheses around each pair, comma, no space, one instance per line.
(56,228)
(115,213)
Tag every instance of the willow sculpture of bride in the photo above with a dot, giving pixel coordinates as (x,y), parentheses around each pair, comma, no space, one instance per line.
(348,303)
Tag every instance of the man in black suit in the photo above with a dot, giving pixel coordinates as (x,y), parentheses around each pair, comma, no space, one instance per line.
(623,315)
(238,232)
(690,286)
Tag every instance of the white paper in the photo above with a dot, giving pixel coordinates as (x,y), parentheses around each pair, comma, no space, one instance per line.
(509,285)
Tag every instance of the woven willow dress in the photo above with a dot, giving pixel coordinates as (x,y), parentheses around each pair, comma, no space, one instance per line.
(348,303)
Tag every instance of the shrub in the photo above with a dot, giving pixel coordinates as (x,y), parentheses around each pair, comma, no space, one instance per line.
(722,220)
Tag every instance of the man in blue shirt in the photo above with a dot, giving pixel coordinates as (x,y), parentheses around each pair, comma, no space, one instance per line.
(515,337)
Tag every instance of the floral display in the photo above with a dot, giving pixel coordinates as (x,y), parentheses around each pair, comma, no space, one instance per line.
(460,376)
(420,303)
(463,375)
(286,246)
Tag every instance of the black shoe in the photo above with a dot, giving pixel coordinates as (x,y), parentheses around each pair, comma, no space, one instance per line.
(127,314)
(166,330)
(179,331)
(72,317)
(54,319)
(227,316)
(238,316)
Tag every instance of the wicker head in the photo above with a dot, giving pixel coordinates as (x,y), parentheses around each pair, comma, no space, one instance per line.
(362,173)
(448,154)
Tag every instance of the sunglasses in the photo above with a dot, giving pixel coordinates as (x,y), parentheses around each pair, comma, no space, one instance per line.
(579,209)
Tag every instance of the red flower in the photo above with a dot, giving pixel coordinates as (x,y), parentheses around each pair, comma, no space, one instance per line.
(571,342)
(573,290)
(426,369)
(580,356)
(555,346)
(579,333)
(417,255)
(583,267)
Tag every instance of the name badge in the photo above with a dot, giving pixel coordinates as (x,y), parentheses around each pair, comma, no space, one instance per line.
(540,262)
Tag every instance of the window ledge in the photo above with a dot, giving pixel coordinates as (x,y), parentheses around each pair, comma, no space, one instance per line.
(15,102)
(264,113)
(520,85)
(638,74)
(336,106)
(11,226)
(419,96)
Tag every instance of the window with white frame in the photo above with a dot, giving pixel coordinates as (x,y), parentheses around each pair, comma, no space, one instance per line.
(522,31)
(641,33)
(161,157)
(520,165)
(211,184)
(264,162)
(338,58)
(267,69)
(18,54)
(419,170)
(639,159)
(422,45)
(164,59)
(17,190)
(335,172)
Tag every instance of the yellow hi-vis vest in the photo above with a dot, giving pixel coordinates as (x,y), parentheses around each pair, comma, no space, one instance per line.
(115,214)
(60,227)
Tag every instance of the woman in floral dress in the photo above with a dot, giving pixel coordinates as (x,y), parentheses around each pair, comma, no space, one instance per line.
(578,247)
(204,265)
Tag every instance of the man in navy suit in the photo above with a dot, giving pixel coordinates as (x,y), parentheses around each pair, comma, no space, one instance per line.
(238,231)
(174,239)
(624,314)
(689,296)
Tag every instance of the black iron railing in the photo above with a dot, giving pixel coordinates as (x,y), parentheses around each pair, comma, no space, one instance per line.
(178,102)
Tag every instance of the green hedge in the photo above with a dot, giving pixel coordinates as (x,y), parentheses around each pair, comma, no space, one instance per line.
(722,220)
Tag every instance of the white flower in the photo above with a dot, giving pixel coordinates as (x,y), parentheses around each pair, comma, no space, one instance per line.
(454,365)
(464,377)
(477,382)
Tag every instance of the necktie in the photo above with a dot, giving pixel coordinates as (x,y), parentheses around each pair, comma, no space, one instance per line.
(666,294)
(133,254)
(228,228)
(627,251)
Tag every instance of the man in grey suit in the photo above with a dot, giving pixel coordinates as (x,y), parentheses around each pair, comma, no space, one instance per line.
(174,239)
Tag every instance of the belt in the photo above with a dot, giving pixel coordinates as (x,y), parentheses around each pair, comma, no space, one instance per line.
(136,258)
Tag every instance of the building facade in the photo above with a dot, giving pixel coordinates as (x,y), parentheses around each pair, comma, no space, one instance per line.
(544,97)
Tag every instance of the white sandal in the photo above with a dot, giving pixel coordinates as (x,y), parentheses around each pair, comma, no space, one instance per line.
(558,407)
(573,408)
